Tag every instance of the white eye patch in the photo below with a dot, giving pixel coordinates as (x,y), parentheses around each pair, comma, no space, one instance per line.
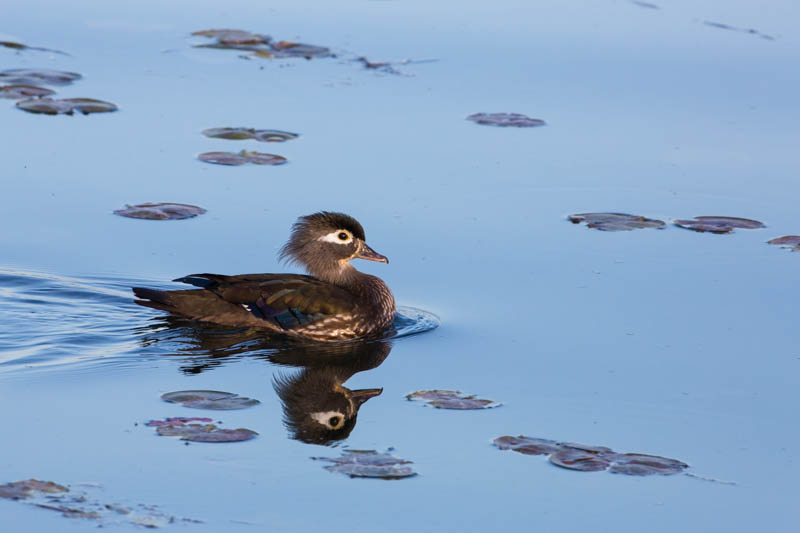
(340,236)
(329,419)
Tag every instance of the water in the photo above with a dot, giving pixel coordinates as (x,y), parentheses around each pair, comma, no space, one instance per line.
(664,342)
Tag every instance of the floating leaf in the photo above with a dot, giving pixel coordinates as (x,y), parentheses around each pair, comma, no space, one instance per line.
(250,133)
(788,241)
(228,158)
(368,463)
(714,224)
(160,211)
(18,490)
(205,432)
(66,106)
(527,445)
(292,49)
(615,221)
(19,92)
(586,458)
(209,399)
(636,464)
(234,37)
(23,76)
(19,46)
(506,119)
(451,399)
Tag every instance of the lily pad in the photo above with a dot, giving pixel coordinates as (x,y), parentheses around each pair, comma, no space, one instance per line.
(505,120)
(20,92)
(368,463)
(261,45)
(160,211)
(234,37)
(636,464)
(237,134)
(24,76)
(451,399)
(715,224)
(587,458)
(527,445)
(209,399)
(787,241)
(66,106)
(204,432)
(19,490)
(231,159)
(292,49)
(615,221)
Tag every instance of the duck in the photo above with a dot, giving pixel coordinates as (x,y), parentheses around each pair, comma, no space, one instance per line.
(332,302)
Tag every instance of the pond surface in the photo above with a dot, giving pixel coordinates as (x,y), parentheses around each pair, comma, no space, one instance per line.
(658,341)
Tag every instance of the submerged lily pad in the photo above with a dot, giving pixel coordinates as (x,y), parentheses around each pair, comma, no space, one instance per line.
(209,399)
(231,159)
(25,76)
(369,463)
(787,241)
(586,458)
(715,224)
(505,120)
(66,106)
(238,134)
(451,399)
(19,490)
(160,211)
(204,432)
(19,92)
(615,221)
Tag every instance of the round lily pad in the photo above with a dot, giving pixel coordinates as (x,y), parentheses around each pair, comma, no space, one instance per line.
(368,463)
(209,399)
(25,76)
(615,221)
(451,399)
(65,106)
(787,241)
(19,92)
(228,158)
(715,224)
(160,211)
(250,133)
(505,120)
(527,445)
(19,490)
(636,464)
(188,429)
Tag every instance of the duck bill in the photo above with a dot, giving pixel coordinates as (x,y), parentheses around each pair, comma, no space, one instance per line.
(371,255)
(362,395)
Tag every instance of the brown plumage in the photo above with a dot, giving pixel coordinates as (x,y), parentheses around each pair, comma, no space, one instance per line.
(334,302)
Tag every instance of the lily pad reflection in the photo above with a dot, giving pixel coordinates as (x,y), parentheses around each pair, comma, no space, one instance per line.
(788,241)
(25,76)
(451,399)
(160,211)
(189,429)
(20,92)
(243,157)
(505,120)
(715,224)
(369,463)
(209,399)
(238,134)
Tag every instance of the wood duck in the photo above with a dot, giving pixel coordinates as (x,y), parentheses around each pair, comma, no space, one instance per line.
(334,302)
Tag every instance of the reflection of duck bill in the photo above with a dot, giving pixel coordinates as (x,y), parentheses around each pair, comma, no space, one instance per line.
(360,396)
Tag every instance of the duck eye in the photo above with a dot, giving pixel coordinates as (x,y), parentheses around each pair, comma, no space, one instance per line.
(343,236)
(334,421)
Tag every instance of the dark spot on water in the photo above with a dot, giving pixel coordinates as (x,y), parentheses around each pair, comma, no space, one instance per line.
(250,133)
(750,31)
(716,224)
(615,221)
(19,46)
(209,399)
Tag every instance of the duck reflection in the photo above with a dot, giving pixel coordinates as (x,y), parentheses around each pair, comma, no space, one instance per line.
(317,407)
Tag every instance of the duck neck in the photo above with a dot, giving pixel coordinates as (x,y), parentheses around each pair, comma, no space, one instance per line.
(368,288)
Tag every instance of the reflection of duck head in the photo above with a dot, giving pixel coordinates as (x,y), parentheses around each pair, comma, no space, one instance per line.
(317,408)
